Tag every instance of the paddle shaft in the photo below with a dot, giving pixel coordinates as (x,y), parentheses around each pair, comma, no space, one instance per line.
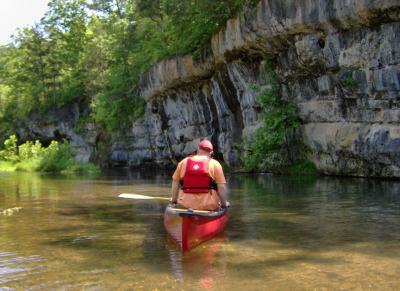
(141,197)
(145,197)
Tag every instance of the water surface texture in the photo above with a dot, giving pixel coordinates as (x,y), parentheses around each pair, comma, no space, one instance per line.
(283,233)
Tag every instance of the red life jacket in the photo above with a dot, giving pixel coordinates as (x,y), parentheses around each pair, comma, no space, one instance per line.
(196,178)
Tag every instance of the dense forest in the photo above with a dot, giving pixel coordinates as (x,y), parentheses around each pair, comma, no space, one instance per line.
(94,52)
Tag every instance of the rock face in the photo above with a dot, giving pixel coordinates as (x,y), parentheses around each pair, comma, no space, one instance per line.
(338,59)
(221,108)
(59,124)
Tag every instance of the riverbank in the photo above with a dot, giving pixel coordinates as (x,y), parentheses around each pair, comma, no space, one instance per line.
(34,166)
(58,157)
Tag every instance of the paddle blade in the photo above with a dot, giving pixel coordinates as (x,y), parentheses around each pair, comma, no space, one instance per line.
(140,197)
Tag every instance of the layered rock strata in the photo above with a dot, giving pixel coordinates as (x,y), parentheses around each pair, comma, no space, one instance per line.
(338,59)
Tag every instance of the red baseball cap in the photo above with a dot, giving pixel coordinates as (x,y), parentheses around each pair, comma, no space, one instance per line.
(206,146)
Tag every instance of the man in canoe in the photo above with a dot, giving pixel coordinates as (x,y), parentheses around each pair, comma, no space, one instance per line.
(199,181)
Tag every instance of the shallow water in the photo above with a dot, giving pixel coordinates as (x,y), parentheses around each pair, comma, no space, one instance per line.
(283,233)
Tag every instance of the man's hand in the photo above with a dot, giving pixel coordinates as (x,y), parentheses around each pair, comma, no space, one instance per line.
(227,204)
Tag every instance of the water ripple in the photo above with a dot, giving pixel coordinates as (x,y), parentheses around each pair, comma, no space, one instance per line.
(14,268)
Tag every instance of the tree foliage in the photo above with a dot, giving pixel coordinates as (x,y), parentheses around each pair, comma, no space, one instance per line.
(93,52)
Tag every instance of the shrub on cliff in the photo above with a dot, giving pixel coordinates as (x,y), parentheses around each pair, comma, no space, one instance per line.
(275,146)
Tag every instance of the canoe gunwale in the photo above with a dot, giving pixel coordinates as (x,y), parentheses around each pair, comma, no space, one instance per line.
(190,212)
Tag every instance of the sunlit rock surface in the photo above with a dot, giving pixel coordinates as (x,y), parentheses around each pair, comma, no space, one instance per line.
(339,60)
(221,108)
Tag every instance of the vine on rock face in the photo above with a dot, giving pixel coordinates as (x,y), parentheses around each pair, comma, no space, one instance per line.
(275,146)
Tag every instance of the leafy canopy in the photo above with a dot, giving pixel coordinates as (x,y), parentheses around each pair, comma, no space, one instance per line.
(93,52)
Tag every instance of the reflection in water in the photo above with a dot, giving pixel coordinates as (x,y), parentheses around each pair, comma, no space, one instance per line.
(283,233)
(200,264)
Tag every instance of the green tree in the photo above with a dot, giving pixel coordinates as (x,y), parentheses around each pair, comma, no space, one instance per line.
(65,24)
(94,52)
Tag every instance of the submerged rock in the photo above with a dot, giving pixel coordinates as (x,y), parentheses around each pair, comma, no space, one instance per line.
(10,211)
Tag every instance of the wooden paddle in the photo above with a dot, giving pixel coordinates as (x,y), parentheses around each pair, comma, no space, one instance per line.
(145,197)
(141,197)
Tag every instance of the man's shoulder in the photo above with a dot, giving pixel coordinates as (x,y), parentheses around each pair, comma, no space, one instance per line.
(215,162)
(183,161)
(186,158)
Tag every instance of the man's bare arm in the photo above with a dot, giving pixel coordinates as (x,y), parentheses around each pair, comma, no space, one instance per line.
(223,194)
(175,190)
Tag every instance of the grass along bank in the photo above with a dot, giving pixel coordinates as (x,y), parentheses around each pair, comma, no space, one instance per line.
(33,157)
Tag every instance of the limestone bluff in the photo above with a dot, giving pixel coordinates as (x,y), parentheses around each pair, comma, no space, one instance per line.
(338,60)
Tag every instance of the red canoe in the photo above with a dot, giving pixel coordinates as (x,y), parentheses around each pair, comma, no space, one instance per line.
(190,228)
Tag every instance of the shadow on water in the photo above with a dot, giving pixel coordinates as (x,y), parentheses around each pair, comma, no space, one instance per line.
(128,233)
(318,214)
(154,250)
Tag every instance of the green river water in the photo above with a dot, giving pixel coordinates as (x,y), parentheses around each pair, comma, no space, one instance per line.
(283,234)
